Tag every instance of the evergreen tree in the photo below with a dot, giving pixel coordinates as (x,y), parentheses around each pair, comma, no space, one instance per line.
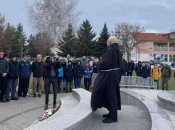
(86,40)
(101,43)
(20,41)
(30,48)
(68,43)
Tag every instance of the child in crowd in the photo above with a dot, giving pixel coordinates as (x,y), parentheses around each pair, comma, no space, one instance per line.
(87,76)
(63,80)
(156,74)
(144,72)
(69,75)
(60,76)
(78,71)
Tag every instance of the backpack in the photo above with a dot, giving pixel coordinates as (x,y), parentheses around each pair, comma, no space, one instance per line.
(166,72)
(152,71)
(146,67)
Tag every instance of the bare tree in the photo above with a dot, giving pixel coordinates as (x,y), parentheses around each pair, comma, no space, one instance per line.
(128,36)
(52,17)
(2,29)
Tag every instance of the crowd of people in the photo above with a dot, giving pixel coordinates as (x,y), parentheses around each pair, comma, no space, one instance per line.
(52,70)
(144,71)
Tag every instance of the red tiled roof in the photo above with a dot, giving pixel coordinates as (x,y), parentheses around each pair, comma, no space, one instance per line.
(153,37)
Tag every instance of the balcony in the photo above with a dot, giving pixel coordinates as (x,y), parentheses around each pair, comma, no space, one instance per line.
(171,48)
(157,48)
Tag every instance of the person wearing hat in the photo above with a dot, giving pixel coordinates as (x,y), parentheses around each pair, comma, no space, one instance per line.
(25,71)
(52,65)
(12,78)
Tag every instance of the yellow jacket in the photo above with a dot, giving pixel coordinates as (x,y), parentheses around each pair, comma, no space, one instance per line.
(155,73)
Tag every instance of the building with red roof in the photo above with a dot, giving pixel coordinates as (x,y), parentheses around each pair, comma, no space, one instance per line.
(155,46)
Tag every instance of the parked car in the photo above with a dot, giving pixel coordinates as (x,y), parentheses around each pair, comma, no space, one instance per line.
(159,64)
(147,63)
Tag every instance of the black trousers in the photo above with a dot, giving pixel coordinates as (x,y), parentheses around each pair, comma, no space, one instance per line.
(129,73)
(87,83)
(2,86)
(23,87)
(59,83)
(54,83)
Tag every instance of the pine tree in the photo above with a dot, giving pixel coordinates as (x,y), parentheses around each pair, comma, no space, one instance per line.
(101,43)
(86,40)
(68,43)
(30,48)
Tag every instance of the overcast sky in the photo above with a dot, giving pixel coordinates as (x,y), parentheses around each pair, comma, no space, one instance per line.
(154,15)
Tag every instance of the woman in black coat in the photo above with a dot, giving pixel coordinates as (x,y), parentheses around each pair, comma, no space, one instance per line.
(69,75)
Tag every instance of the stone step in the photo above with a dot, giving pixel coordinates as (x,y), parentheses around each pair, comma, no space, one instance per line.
(157,116)
(74,114)
(166,99)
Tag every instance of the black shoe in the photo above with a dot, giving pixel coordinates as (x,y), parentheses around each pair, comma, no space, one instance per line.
(3,101)
(162,88)
(8,100)
(106,116)
(109,120)
(39,95)
(34,95)
(64,88)
(14,98)
(58,90)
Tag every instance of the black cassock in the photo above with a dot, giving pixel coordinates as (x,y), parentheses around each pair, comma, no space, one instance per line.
(106,89)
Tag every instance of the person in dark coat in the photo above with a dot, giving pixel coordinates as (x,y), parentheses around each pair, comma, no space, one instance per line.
(137,68)
(25,71)
(78,71)
(69,75)
(63,80)
(4,69)
(106,90)
(144,72)
(52,65)
(38,71)
(130,68)
(12,78)
(124,67)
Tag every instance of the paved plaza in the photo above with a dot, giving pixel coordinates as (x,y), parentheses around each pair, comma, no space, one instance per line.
(17,115)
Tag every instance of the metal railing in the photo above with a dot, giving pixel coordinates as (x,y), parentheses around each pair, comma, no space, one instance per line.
(171,48)
(134,81)
(160,48)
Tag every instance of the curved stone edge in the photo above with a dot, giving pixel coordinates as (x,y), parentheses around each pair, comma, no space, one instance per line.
(84,97)
(76,119)
(157,116)
(165,103)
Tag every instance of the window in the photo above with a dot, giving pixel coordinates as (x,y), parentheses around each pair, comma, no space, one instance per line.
(172,35)
(172,44)
(165,58)
(171,58)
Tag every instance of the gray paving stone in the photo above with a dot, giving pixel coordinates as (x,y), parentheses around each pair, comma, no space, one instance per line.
(17,115)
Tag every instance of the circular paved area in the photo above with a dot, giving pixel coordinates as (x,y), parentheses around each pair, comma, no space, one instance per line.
(129,118)
(17,115)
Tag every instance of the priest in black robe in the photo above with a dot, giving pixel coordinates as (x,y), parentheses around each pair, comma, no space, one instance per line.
(106,89)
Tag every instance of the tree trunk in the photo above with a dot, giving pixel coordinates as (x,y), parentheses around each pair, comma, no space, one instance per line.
(128,56)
